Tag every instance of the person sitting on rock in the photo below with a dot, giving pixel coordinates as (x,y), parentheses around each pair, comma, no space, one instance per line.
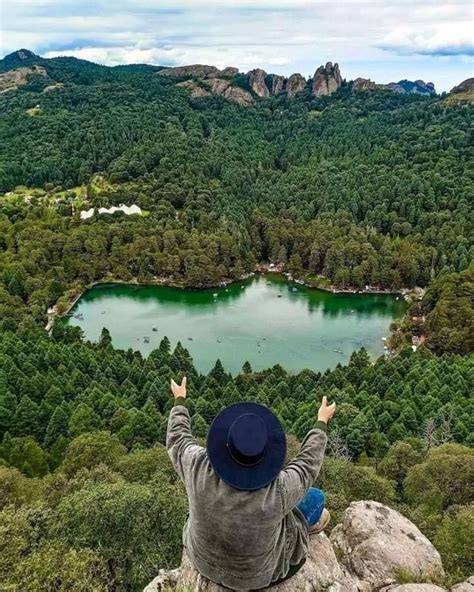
(249,517)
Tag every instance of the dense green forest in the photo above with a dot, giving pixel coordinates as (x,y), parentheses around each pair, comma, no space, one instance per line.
(364,189)
(88,492)
(355,189)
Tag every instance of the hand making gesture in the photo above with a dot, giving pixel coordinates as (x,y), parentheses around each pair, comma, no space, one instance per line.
(326,411)
(179,390)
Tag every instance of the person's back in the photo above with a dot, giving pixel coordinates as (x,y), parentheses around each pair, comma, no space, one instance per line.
(248,534)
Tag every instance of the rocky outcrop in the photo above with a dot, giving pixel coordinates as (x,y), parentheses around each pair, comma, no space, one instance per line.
(229,72)
(193,71)
(374,542)
(465,86)
(278,84)
(462,93)
(326,80)
(419,87)
(257,82)
(363,554)
(52,87)
(467,586)
(12,79)
(363,84)
(295,84)
(217,86)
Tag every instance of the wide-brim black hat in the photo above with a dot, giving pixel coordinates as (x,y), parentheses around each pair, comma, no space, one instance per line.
(246,446)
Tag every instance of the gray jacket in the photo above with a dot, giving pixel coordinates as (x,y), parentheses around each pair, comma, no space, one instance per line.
(243,540)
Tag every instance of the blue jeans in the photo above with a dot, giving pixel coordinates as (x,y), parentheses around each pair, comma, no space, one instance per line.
(312,505)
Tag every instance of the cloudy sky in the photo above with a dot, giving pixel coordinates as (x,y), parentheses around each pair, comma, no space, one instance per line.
(386,40)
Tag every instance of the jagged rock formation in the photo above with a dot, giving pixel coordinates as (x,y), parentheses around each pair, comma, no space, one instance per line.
(419,87)
(278,84)
(12,79)
(257,82)
(295,84)
(363,554)
(362,84)
(326,80)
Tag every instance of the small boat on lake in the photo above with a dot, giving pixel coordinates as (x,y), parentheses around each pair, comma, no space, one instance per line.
(146,339)
(338,351)
(190,338)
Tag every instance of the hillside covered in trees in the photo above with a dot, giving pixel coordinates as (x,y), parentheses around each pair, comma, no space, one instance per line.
(355,189)
(89,495)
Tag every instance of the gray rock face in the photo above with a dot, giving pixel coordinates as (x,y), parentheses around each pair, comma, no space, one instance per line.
(217,86)
(362,84)
(295,84)
(257,82)
(467,586)
(465,86)
(363,554)
(419,87)
(374,542)
(230,72)
(278,84)
(326,80)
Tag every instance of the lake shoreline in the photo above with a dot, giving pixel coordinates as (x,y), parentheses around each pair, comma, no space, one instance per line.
(263,319)
(261,269)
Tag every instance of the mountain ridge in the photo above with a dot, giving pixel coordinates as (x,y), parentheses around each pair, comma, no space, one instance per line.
(206,80)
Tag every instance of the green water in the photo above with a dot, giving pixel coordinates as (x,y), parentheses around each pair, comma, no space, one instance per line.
(261,320)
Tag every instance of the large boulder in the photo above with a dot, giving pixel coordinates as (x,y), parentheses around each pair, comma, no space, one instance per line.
(375,542)
(467,586)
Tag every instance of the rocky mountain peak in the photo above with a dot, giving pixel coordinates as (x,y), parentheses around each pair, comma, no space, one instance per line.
(21,55)
(257,82)
(326,80)
(362,84)
(464,86)
(419,87)
(295,84)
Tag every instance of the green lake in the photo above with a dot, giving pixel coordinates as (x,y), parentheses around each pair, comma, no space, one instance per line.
(265,320)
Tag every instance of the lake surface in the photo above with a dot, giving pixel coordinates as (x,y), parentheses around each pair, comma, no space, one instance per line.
(265,320)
